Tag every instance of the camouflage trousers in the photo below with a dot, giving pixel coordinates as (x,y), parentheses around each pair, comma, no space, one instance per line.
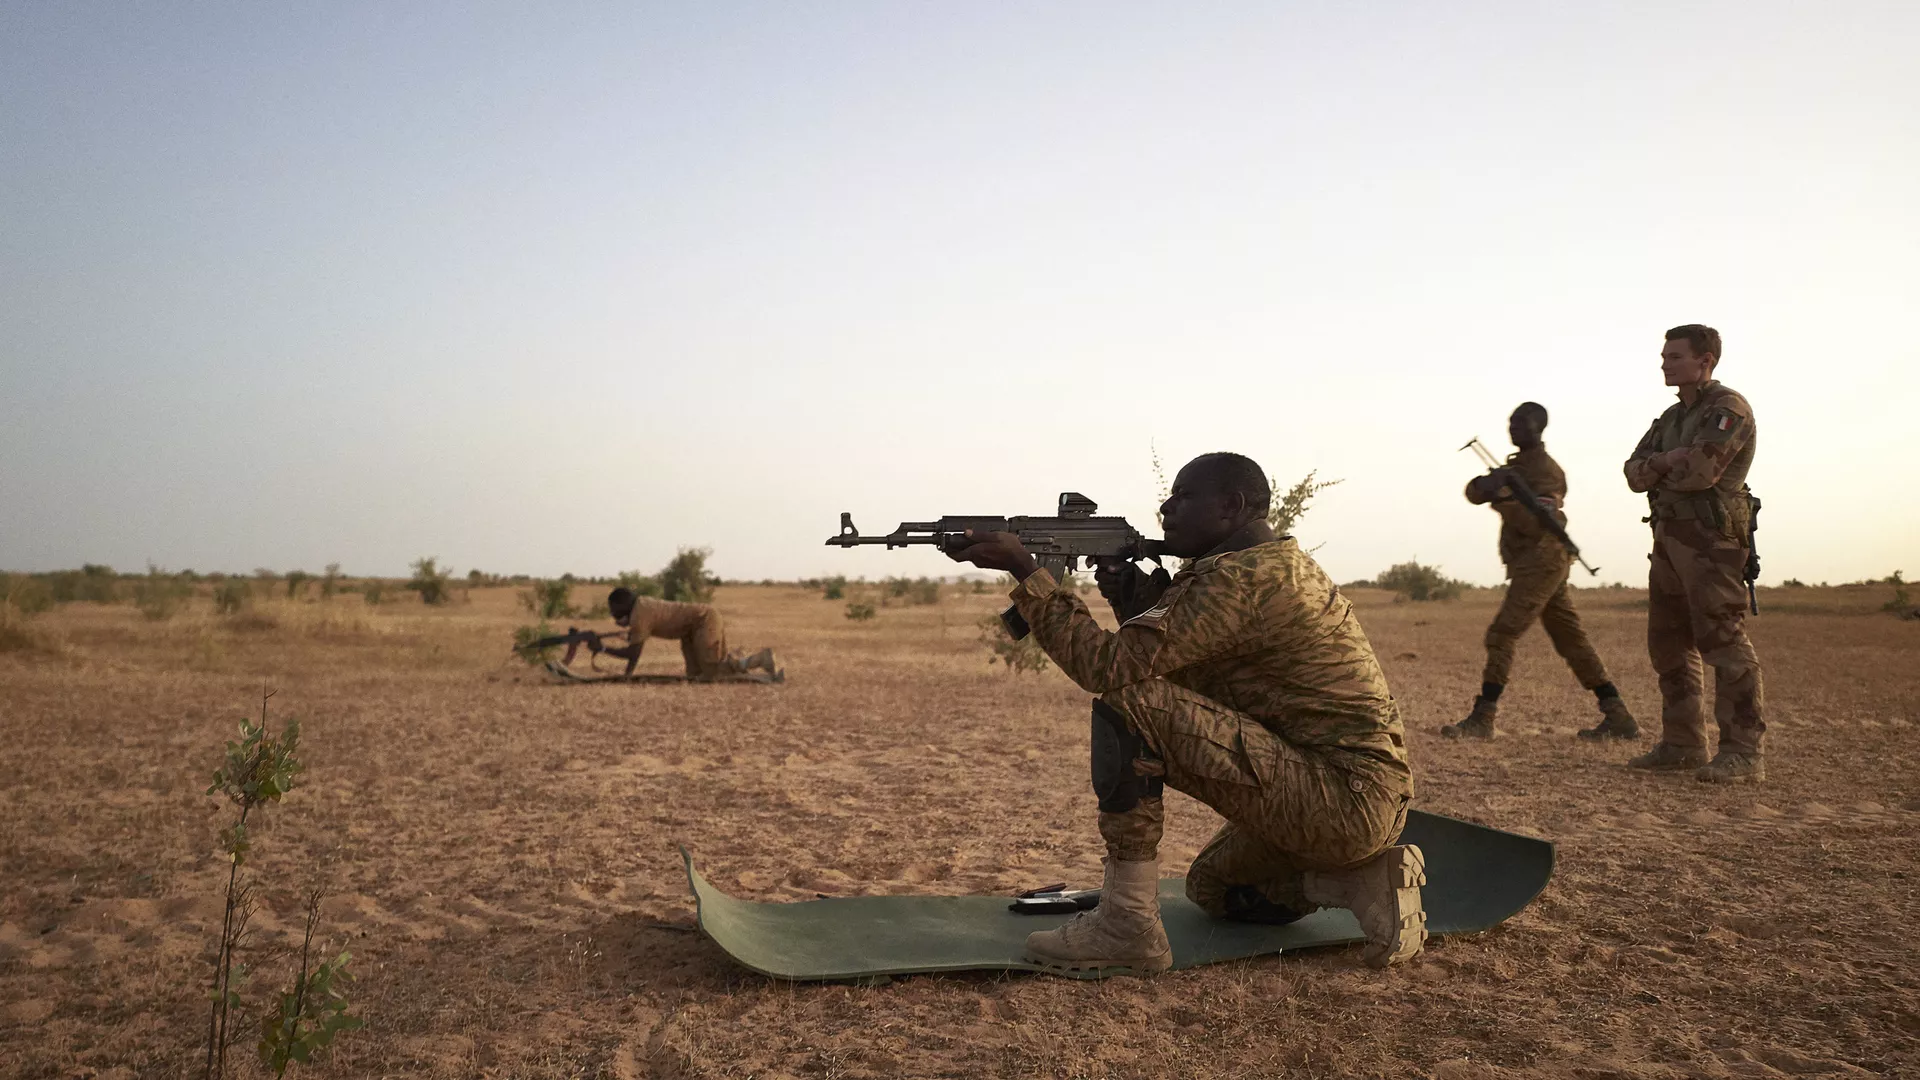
(704,647)
(1696,615)
(1289,808)
(1537,590)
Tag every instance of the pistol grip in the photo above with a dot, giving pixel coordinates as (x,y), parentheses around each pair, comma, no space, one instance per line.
(1015,623)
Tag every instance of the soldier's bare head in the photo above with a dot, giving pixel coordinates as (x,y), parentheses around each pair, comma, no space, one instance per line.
(1690,354)
(1213,497)
(620,604)
(1527,424)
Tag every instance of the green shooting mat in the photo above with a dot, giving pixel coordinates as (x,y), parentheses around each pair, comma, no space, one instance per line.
(1477,878)
(568,675)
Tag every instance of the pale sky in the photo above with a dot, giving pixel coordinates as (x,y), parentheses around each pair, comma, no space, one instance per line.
(539,288)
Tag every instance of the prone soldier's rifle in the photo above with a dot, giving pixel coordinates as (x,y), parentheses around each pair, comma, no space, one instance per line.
(572,639)
(1524,492)
(1056,543)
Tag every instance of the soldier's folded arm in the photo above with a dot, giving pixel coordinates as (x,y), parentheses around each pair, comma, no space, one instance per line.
(1160,641)
(1642,471)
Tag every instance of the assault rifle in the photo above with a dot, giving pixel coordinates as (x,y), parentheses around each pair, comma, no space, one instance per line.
(1752,573)
(1057,543)
(1528,499)
(572,639)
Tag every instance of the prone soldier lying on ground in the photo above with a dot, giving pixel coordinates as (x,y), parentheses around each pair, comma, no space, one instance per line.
(1246,682)
(698,628)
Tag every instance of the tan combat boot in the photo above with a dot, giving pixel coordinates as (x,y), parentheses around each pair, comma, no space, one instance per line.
(1732,767)
(1478,724)
(1616,722)
(1384,895)
(1121,936)
(762,660)
(1666,757)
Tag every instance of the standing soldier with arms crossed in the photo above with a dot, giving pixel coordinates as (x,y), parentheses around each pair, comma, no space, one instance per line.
(1537,568)
(1693,465)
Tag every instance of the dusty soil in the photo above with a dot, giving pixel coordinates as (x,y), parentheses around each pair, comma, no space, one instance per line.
(500,855)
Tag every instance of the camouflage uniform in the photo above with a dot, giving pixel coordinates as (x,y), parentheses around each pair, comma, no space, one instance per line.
(1256,692)
(1697,601)
(702,637)
(1537,568)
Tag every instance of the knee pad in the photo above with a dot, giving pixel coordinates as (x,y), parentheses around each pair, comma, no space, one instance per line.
(1115,746)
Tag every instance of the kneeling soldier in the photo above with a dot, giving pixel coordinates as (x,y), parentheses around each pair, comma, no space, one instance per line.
(702,637)
(1246,682)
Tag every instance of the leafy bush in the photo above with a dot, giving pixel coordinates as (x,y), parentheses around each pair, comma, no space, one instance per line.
(836,588)
(1289,506)
(686,578)
(859,611)
(638,583)
(92,583)
(549,599)
(25,594)
(260,768)
(524,636)
(296,581)
(160,594)
(373,591)
(1416,582)
(232,595)
(1023,655)
(430,581)
(912,590)
(330,581)
(1900,602)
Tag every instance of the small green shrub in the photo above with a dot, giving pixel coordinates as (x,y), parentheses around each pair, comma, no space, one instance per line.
(836,588)
(430,581)
(1793,583)
(1019,656)
(296,582)
(1417,582)
(25,594)
(523,636)
(859,611)
(374,592)
(638,583)
(160,594)
(686,578)
(330,581)
(232,595)
(92,584)
(549,599)
(1900,602)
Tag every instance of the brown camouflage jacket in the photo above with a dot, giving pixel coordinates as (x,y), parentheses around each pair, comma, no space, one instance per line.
(1263,631)
(1707,448)
(1521,533)
(654,618)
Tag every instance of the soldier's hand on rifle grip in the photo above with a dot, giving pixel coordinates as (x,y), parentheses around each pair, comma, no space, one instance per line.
(593,644)
(1128,589)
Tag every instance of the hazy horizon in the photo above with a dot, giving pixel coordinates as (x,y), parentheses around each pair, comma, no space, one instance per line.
(538,291)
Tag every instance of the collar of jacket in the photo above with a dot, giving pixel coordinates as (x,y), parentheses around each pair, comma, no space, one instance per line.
(1252,534)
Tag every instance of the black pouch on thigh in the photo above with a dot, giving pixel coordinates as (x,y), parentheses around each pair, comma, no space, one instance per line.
(1115,747)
